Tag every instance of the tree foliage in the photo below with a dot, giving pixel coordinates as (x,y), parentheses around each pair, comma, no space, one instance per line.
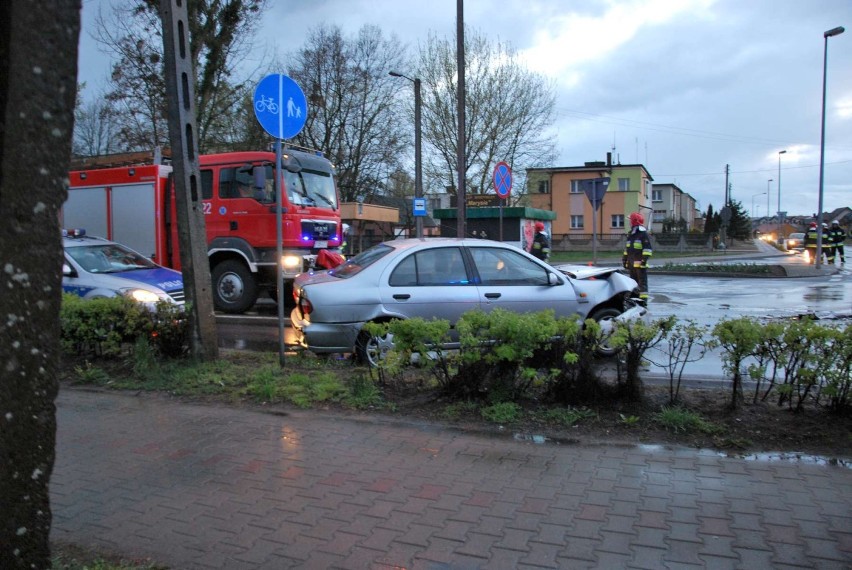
(218,30)
(354,107)
(95,127)
(507,112)
(739,227)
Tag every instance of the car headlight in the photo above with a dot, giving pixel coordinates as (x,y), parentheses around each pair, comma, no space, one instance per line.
(142,295)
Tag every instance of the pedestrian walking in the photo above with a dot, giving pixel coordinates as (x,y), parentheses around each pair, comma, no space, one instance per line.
(837,236)
(811,242)
(541,243)
(637,253)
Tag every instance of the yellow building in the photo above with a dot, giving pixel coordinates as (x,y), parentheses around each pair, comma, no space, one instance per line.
(561,191)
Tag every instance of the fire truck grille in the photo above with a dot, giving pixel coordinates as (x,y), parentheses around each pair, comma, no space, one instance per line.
(318,230)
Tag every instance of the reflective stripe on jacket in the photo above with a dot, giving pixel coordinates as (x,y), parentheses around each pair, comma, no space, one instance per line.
(637,250)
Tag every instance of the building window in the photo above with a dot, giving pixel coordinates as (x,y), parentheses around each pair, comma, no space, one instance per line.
(657,195)
(575,187)
(659,215)
(617,221)
(576,222)
(623,184)
(543,187)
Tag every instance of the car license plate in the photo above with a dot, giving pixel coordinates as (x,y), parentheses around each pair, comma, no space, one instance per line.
(321,244)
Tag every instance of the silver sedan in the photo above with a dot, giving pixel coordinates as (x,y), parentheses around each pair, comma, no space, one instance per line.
(442,278)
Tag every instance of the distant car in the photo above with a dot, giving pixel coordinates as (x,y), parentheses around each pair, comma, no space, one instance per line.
(442,278)
(96,267)
(795,242)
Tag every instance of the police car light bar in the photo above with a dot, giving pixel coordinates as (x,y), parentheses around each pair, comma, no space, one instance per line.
(74,232)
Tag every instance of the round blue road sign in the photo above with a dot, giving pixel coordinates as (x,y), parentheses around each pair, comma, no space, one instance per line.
(502,179)
(280,106)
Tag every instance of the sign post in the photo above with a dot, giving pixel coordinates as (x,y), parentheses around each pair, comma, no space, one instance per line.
(281,109)
(503,186)
(595,188)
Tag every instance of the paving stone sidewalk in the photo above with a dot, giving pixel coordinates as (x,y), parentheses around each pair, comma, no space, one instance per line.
(200,487)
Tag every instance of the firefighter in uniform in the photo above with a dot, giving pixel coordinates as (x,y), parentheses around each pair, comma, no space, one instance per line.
(827,245)
(837,236)
(541,243)
(811,242)
(637,252)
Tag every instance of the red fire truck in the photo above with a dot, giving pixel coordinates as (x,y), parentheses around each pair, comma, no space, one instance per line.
(134,204)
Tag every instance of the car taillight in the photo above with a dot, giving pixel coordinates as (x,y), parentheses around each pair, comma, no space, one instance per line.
(304,305)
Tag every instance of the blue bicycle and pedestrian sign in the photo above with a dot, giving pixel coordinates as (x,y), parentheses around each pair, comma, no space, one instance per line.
(280,106)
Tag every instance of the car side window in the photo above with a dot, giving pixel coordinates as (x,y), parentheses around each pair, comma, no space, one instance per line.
(439,266)
(497,266)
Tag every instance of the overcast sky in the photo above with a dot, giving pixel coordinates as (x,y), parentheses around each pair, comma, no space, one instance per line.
(683,87)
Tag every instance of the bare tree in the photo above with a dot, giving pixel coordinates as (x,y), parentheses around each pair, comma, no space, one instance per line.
(353,107)
(95,128)
(508,111)
(220,33)
(38,76)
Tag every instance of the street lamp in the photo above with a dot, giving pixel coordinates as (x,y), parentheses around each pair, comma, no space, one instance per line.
(418,165)
(778,237)
(830,33)
(767,196)
(752,202)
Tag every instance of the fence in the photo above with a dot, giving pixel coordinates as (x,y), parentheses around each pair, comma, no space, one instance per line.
(659,242)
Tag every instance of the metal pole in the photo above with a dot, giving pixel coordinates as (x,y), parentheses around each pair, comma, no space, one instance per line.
(418,164)
(778,237)
(767,196)
(461,191)
(279,250)
(418,154)
(832,32)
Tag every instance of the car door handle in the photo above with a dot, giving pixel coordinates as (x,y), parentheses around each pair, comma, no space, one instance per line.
(402,296)
(492,295)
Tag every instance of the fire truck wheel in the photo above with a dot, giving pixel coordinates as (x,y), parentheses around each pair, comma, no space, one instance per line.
(234,287)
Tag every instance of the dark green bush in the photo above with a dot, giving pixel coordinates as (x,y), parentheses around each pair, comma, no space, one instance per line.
(110,327)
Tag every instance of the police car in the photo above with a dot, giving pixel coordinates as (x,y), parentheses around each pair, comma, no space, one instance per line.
(95,267)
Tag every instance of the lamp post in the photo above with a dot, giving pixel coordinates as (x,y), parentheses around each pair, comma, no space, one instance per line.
(778,237)
(418,165)
(830,33)
(768,182)
(752,202)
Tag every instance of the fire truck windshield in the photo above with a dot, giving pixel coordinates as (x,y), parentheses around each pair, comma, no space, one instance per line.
(319,187)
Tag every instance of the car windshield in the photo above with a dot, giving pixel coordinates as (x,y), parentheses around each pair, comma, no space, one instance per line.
(108,258)
(361,261)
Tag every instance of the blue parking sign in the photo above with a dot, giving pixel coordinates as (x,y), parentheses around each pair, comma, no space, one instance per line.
(280,106)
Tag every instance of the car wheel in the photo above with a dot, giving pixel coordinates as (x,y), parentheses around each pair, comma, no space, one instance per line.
(371,349)
(604,317)
(234,287)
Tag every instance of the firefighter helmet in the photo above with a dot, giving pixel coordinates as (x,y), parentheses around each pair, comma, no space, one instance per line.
(539,226)
(636,219)
(835,223)
(813,224)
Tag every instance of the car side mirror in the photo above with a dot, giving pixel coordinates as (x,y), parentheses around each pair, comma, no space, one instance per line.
(68,271)
(553,279)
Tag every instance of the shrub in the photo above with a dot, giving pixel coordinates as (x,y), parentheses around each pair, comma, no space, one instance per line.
(497,353)
(738,339)
(632,339)
(502,413)
(678,419)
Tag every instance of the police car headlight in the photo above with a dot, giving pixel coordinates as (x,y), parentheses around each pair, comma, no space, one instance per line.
(142,296)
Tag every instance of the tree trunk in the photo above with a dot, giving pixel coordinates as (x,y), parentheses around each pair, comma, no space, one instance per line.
(38,76)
